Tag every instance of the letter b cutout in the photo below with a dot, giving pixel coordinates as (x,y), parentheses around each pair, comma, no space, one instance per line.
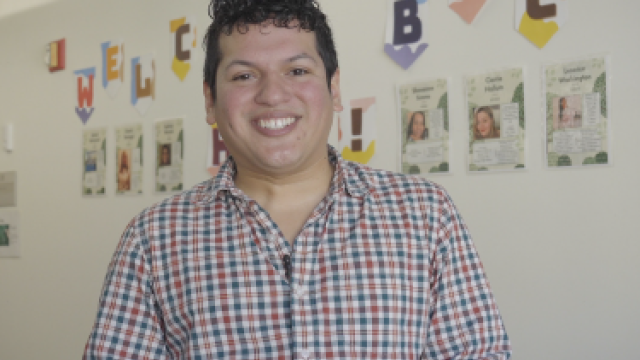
(406,15)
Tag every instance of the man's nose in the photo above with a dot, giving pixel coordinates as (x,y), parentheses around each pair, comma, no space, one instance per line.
(274,90)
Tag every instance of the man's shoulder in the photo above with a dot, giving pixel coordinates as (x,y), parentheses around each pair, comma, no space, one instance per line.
(174,207)
(384,183)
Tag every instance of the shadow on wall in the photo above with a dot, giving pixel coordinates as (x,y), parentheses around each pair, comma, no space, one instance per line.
(13,7)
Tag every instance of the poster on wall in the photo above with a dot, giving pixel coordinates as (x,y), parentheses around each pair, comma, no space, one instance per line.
(357,131)
(540,20)
(94,162)
(496,115)
(112,66)
(8,189)
(169,148)
(577,112)
(183,31)
(129,162)
(406,33)
(424,114)
(467,9)
(84,83)
(9,234)
(143,82)
(217,152)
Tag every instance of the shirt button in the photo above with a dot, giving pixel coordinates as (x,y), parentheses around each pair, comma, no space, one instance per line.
(305,353)
(299,291)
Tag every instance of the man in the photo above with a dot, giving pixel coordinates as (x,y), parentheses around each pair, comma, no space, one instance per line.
(291,252)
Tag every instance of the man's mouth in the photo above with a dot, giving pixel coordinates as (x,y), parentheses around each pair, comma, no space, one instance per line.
(276,124)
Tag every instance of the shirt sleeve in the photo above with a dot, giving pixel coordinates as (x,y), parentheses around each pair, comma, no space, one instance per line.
(465,323)
(128,325)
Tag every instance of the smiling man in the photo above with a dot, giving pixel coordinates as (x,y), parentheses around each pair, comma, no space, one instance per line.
(291,252)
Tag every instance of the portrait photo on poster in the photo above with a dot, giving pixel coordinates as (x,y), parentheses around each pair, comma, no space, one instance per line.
(123,161)
(486,122)
(129,140)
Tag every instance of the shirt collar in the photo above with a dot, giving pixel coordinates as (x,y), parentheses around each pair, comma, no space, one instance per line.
(354,181)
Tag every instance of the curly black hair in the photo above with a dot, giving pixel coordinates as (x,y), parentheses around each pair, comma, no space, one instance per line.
(230,15)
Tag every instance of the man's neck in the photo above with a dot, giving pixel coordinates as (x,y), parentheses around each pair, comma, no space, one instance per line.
(289,199)
(269,187)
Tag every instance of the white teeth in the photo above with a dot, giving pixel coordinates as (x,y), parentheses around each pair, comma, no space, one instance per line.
(276,124)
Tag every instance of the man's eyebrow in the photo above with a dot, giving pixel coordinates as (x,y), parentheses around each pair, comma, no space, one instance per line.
(289,60)
(301,56)
(239,62)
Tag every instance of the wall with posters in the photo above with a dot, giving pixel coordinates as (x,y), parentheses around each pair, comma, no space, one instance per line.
(560,246)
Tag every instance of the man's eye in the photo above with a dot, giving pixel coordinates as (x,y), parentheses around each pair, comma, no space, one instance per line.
(298,72)
(241,77)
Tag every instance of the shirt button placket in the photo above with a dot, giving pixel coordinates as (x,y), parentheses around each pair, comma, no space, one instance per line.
(298,316)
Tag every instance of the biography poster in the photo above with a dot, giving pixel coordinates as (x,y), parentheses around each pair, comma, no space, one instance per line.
(577,126)
(169,152)
(129,160)
(496,114)
(94,162)
(424,114)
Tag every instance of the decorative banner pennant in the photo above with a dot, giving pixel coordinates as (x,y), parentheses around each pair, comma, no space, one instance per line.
(467,9)
(184,32)
(112,66)
(357,135)
(406,35)
(217,153)
(84,79)
(539,20)
(143,82)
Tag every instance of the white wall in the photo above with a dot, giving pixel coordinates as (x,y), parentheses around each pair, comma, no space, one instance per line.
(560,247)
(12,7)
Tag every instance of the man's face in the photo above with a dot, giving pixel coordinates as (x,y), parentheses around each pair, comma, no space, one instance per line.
(273,107)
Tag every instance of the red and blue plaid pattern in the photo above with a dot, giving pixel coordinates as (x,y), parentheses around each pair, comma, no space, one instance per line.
(383,269)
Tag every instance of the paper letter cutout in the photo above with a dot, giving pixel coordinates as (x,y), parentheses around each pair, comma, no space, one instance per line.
(406,37)
(112,66)
(217,153)
(84,79)
(540,20)
(406,15)
(467,9)
(143,82)
(357,135)
(184,32)
(539,12)
(56,55)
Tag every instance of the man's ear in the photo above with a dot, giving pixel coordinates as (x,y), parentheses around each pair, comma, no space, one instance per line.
(208,103)
(335,91)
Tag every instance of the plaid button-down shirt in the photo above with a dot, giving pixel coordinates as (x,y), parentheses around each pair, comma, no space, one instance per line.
(384,268)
